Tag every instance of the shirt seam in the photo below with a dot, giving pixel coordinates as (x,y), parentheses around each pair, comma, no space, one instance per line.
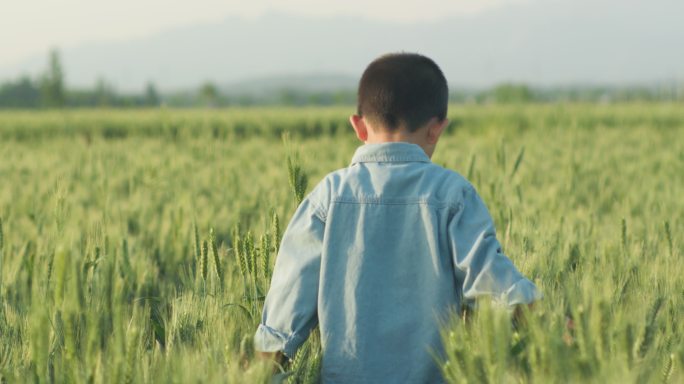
(400,201)
(318,211)
(389,159)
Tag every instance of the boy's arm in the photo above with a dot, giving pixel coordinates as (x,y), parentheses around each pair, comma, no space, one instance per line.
(291,303)
(478,259)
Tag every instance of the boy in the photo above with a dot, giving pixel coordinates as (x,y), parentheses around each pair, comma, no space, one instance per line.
(380,252)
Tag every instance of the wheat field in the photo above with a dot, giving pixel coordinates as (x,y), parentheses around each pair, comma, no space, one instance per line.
(137,246)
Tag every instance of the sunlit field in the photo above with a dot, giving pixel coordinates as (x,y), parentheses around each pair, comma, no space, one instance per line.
(137,246)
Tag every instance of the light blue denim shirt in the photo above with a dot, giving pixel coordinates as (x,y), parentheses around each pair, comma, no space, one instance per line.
(376,255)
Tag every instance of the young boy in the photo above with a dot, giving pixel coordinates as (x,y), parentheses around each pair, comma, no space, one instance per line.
(380,252)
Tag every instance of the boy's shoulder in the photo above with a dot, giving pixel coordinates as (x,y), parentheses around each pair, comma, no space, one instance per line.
(444,184)
(431,169)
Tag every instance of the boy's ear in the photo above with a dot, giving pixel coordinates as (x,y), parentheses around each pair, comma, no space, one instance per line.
(435,129)
(360,127)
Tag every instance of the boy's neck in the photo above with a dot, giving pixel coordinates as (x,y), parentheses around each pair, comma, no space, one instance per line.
(391,137)
(425,137)
(383,136)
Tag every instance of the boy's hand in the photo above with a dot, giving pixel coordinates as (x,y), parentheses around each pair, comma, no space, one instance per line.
(278,358)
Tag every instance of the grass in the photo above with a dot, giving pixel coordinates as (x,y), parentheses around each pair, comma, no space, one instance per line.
(136,246)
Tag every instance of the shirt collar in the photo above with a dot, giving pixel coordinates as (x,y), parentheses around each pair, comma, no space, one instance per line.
(393,152)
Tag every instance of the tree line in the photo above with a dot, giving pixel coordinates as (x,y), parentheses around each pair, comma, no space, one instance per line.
(49,91)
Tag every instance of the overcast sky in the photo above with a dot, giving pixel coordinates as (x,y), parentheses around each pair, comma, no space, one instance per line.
(33,26)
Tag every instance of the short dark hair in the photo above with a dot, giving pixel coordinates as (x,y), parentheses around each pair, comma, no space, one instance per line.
(402,90)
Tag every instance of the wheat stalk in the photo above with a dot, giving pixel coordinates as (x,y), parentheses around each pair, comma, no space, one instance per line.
(214,251)
(265,248)
(249,256)
(62,262)
(471,167)
(275,231)
(668,236)
(668,368)
(650,328)
(2,247)
(2,238)
(623,234)
(198,250)
(518,161)
(237,251)
(203,261)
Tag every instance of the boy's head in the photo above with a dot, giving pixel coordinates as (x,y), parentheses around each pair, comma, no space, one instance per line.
(400,96)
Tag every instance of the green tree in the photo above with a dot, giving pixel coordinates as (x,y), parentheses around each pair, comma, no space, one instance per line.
(22,93)
(209,94)
(52,84)
(104,93)
(151,95)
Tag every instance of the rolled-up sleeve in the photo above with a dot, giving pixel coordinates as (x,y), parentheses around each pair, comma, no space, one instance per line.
(290,309)
(480,264)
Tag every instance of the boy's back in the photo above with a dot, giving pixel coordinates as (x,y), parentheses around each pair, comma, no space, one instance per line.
(394,242)
(379,252)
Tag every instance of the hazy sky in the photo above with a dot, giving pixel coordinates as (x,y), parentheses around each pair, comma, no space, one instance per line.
(33,26)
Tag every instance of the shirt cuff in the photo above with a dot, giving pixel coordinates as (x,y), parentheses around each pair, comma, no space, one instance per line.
(522,292)
(268,339)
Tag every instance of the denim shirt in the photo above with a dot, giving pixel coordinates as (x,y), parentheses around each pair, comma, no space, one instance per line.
(377,255)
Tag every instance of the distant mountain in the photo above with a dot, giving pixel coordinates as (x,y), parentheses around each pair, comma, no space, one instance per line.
(540,42)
